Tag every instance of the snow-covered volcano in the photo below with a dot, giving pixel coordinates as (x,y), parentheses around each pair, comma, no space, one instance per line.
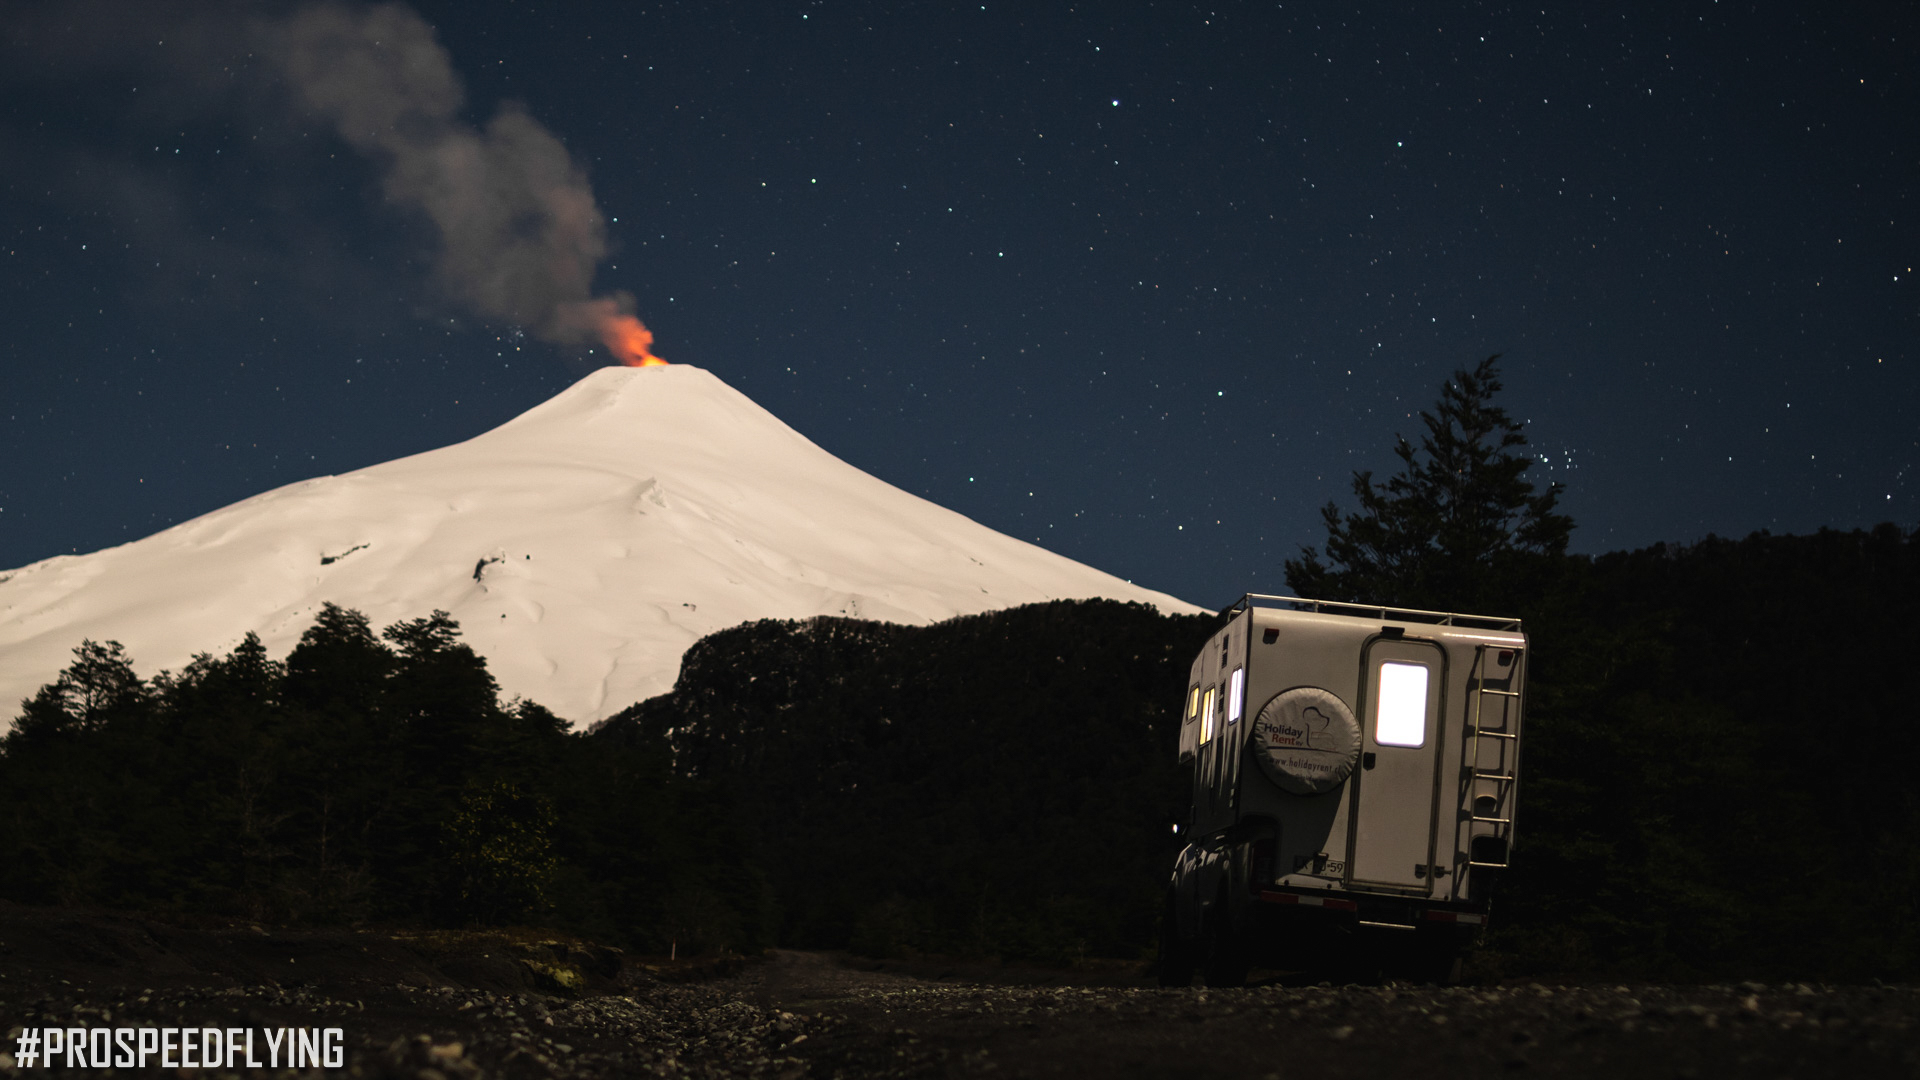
(582,545)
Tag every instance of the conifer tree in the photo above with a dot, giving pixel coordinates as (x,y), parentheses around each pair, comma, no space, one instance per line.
(1456,527)
(339,665)
(98,688)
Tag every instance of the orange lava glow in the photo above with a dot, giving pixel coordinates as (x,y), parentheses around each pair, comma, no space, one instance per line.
(630,340)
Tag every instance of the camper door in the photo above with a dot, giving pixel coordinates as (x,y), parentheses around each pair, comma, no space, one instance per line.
(1394,803)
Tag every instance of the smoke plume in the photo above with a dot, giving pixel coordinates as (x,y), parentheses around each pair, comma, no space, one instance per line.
(519,232)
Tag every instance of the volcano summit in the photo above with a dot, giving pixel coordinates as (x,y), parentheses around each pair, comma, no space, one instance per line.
(582,545)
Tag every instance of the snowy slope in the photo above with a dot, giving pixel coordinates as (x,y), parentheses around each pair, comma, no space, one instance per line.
(609,528)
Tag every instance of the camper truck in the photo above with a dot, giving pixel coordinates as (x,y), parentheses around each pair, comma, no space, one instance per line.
(1355,772)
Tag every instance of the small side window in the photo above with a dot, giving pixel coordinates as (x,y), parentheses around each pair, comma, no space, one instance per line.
(1236,690)
(1193,704)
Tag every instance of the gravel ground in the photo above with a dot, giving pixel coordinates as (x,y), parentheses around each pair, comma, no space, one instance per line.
(436,1032)
(1327,1032)
(459,1007)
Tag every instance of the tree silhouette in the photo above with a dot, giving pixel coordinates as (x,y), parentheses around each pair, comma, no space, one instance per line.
(1456,527)
(97,688)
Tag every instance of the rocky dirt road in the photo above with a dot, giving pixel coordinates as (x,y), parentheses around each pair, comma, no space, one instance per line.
(432,1007)
(912,1027)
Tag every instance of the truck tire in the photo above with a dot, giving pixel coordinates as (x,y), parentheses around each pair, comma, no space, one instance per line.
(1175,964)
(1437,965)
(1226,961)
(1439,959)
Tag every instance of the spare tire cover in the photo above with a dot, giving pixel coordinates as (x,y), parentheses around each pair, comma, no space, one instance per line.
(1306,740)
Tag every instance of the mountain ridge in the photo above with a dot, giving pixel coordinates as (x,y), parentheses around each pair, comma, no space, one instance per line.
(583,545)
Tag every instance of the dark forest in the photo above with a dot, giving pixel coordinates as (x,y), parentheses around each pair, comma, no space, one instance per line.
(1716,782)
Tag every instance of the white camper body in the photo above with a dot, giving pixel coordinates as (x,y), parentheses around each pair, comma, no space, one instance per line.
(1355,773)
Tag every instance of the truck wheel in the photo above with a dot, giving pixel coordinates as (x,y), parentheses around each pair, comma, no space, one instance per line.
(1227,961)
(1175,964)
(1438,962)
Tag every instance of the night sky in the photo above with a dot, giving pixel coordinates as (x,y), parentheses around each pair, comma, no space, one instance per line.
(1144,283)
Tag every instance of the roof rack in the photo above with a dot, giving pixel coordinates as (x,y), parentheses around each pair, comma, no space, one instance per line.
(1336,607)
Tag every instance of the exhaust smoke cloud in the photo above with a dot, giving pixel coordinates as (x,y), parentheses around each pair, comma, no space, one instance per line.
(519,232)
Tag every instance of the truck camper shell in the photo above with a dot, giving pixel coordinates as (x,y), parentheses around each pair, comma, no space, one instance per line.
(1355,778)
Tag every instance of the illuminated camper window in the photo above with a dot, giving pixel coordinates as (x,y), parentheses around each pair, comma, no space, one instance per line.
(1235,688)
(1193,704)
(1206,716)
(1401,718)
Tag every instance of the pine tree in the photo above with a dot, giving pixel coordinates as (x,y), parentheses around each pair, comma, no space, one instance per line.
(339,665)
(96,690)
(1459,527)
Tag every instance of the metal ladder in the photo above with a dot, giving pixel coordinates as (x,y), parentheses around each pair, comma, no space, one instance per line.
(1506,739)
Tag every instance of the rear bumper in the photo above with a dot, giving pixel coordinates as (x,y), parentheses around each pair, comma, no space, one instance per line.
(1364,909)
